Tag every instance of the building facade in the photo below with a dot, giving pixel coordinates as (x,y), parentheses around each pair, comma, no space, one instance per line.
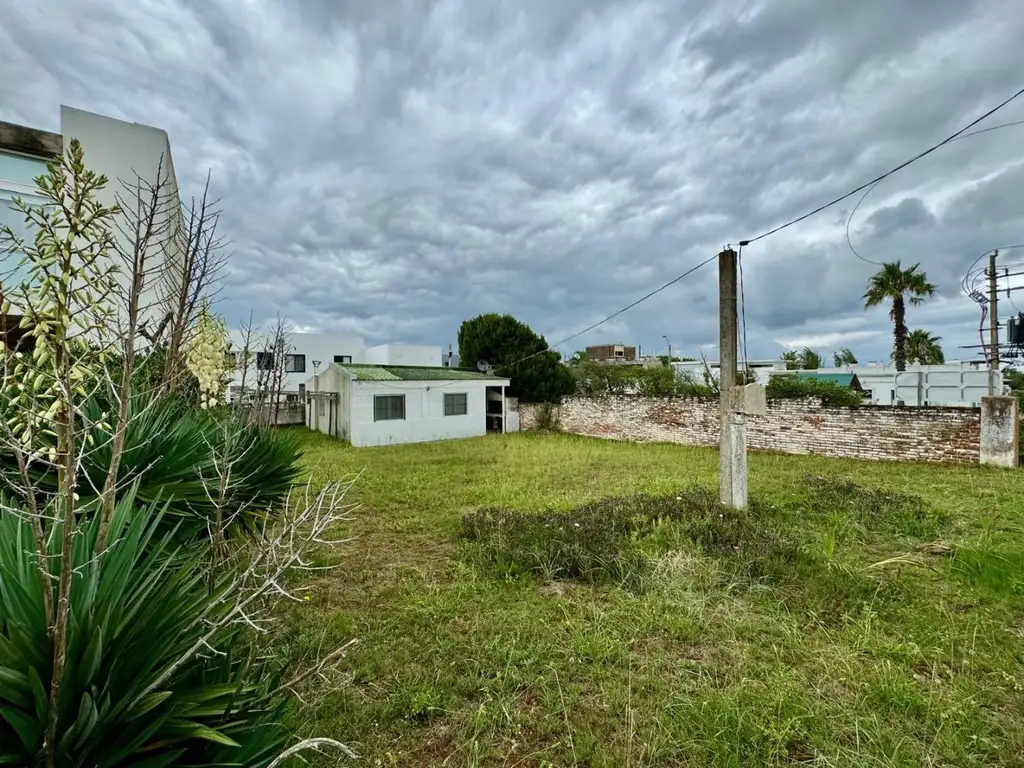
(376,405)
(126,153)
(611,353)
(954,384)
(309,353)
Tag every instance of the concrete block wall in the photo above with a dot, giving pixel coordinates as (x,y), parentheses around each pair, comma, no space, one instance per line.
(789,426)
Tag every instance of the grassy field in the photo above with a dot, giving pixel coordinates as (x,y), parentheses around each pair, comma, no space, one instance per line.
(826,627)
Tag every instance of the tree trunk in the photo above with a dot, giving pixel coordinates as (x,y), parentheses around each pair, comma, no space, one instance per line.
(899,316)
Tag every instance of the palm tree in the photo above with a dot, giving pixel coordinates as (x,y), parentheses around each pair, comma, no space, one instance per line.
(843,356)
(898,285)
(809,359)
(924,348)
(791,359)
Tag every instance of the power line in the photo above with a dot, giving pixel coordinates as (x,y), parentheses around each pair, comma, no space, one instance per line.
(819,209)
(615,314)
(870,189)
(885,175)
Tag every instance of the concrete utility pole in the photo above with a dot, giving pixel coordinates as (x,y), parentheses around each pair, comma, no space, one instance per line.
(669,348)
(732,458)
(993,309)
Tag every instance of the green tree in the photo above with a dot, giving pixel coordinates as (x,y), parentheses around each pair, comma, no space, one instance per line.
(924,348)
(843,356)
(809,359)
(517,352)
(804,360)
(892,283)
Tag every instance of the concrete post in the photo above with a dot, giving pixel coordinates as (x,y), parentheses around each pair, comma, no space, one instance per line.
(1000,431)
(727,354)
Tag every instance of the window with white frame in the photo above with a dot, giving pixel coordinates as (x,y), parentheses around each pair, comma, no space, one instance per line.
(455,404)
(388,407)
(294,363)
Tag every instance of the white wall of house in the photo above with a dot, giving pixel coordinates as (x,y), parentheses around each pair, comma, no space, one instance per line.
(694,369)
(17,172)
(304,349)
(952,384)
(403,354)
(121,151)
(424,411)
(331,348)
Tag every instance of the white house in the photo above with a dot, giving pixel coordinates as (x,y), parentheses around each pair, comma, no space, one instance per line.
(120,150)
(956,384)
(308,353)
(389,404)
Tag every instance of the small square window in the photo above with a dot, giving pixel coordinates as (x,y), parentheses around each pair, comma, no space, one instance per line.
(343,358)
(388,407)
(265,361)
(295,364)
(455,404)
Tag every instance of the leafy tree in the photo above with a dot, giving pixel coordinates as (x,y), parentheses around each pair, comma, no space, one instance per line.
(809,359)
(843,356)
(536,372)
(806,359)
(924,348)
(892,283)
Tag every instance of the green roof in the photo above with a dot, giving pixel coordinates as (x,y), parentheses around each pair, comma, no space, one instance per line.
(842,379)
(362,372)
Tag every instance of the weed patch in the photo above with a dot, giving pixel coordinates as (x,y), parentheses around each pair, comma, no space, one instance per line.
(613,540)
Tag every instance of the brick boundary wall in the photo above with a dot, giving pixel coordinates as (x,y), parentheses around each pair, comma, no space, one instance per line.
(932,434)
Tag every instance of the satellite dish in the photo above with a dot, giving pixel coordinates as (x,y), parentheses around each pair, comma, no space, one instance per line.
(483,366)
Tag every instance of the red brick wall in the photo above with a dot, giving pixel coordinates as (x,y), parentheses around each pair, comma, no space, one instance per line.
(790,426)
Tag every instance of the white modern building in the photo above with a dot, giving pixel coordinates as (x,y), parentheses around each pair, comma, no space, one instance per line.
(122,151)
(374,405)
(956,384)
(309,353)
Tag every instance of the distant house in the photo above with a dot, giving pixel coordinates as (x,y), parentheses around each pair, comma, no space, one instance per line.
(388,404)
(306,352)
(611,353)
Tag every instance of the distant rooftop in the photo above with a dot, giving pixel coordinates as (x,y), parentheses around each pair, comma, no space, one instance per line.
(366,372)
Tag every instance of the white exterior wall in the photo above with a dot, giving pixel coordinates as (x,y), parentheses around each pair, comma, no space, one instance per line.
(403,354)
(694,370)
(424,411)
(120,151)
(16,180)
(315,346)
(949,384)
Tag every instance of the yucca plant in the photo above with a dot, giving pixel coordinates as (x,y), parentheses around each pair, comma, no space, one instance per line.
(135,689)
(179,455)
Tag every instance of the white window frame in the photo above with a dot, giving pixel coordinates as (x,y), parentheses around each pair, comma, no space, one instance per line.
(387,416)
(455,403)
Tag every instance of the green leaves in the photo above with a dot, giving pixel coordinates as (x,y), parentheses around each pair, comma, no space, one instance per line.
(173,453)
(137,612)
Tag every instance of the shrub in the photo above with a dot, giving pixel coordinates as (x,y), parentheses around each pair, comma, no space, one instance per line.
(174,453)
(133,691)
(609,539)
(828,392)
(546,417)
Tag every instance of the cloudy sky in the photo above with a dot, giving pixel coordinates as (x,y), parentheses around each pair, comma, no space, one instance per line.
(392,167)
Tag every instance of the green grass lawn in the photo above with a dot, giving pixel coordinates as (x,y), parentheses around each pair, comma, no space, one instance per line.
(836,638)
